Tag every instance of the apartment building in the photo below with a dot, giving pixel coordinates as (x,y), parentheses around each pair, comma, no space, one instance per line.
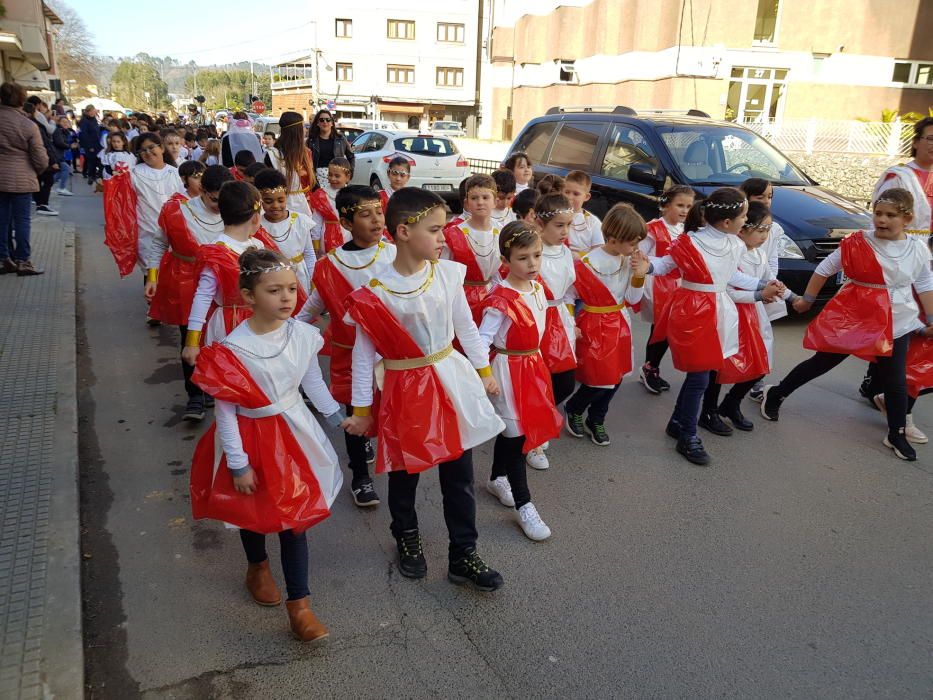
(401,61)
(26,54)
(753,60)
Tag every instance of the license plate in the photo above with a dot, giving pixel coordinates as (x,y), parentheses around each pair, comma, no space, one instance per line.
(439,188)
(841,278)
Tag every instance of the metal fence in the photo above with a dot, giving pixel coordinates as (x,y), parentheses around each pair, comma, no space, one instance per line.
(479,166)
(836,136)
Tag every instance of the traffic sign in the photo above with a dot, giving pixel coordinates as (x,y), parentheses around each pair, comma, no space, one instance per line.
(331,104)
(259,106)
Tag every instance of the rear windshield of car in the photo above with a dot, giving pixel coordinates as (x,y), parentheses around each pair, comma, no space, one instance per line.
(426,146)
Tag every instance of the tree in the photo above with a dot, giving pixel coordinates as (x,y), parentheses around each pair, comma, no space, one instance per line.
(138,86)
(228,88)
(74,47)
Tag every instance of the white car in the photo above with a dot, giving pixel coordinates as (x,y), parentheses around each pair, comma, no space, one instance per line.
(442,128)
(436,162)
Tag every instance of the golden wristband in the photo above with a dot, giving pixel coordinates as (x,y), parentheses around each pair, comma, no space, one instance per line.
(192,339)
(152,274)
(570,308)
(638,281)
(485,371)
(362,411)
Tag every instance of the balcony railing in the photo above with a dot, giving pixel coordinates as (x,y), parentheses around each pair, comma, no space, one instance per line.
(297,83)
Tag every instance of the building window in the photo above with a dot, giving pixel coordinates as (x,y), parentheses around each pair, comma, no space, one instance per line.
(400,74)
(344,72)
(344,28)
(401,29)
(451,33)
(913,73)
(766,22)
(567,71)
(450,77)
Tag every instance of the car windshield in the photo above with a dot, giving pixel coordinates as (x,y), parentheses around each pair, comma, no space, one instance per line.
(446,126)
(426,146)
(722,155)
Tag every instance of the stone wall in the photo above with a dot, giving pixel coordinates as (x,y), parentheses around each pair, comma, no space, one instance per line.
(849,174)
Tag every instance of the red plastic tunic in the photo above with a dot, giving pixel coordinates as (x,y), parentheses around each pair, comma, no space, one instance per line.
(858,320)
(121,230)
(475,285)
(335,290)
(662,286)
(531,381)
(604,349)
(287,494)
(417,420)
(333,234)
(555,344)
(751,361)
(178,280)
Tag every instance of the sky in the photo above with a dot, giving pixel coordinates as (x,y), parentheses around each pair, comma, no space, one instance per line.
(229,36)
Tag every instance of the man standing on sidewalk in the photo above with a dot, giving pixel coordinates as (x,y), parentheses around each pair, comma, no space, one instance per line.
(23,156)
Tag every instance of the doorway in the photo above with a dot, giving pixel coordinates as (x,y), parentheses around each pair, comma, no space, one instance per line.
(756,95)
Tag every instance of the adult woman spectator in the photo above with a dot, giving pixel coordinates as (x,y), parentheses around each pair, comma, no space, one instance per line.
(89,138)
(23,157)
(326,144)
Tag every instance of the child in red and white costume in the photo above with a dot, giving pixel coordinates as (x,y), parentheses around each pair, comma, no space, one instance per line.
(608,279)
(519,164)
(399,172)
(267,466)
(586,228)
(433,407)
(916,177)
(502,213)
(514,319)
(675,203)
(155,181)
(552,215)
(873,316)
(474,243)
(336,276)
(701,323)
(293,232)
(184,226)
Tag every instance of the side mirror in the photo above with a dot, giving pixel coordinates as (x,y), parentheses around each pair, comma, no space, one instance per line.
(644,174)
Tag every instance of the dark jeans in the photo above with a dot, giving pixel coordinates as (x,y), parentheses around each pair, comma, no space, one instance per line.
(294,551)
(456,479)
(592,398)
(15,215)
(187,370)
(689,400)
(356,451)
(891,376)
(508,461)
(90,164)
(46,180)
(734,395)
(654,352)
(563,384)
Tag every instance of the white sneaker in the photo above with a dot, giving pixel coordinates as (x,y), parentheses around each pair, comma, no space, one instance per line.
(531,523)
(45,210)
(499,487)
(536,459)
(880,404)
(546,445)
(65,193)
(913,433)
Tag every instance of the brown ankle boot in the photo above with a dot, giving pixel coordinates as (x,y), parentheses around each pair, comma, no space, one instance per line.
(305,626)
(261,585)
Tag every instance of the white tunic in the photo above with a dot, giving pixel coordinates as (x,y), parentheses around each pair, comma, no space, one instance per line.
(501,217)
(296,199)
(485,247)
(558,274)
(294,235)
(906,267)
(648,246)
(755,263)
(586,232)
(153,189)
(494,331)
(204,226)
(279,362)
(432,318)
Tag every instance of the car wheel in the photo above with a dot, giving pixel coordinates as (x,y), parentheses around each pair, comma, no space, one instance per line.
(375,184)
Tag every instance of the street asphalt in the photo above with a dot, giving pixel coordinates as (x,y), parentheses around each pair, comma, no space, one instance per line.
(798,565)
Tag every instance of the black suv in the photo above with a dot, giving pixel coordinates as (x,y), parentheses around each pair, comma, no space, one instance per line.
(633,156)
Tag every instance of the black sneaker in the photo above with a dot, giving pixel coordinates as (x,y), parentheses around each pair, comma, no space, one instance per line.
(902,449)
(713,422)
(736,417)
(865,391)
(771,403)
(575,424)
(665,386)
(153,322)
(411,561)
(194,409)
(208,401)
(470,568)
(364,494)
(756,395)
(370,452)
(673,429)
(597,433)
(650,377)
(692,449)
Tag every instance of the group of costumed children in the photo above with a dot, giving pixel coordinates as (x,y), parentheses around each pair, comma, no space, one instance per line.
(416,306)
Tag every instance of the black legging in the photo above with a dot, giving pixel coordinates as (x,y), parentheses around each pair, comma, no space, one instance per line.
(654,352)
(891,376)
(563,384)
(187,370)
(294,553)
(46,180)
(733,396)
(508,461)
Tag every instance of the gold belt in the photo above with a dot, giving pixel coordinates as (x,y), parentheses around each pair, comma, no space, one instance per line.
(603,309)
(515,353)
(470,283)
(418,362)
(918,232)
(184,258)
(340,345)
(298,258)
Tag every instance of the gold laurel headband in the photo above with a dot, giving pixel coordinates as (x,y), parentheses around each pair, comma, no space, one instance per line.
(900,206)
(272,190)
(550,214)
(372,204)
(278,267)
(415,218)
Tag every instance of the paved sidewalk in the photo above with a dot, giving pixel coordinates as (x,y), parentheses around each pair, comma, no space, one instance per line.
(40,591)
